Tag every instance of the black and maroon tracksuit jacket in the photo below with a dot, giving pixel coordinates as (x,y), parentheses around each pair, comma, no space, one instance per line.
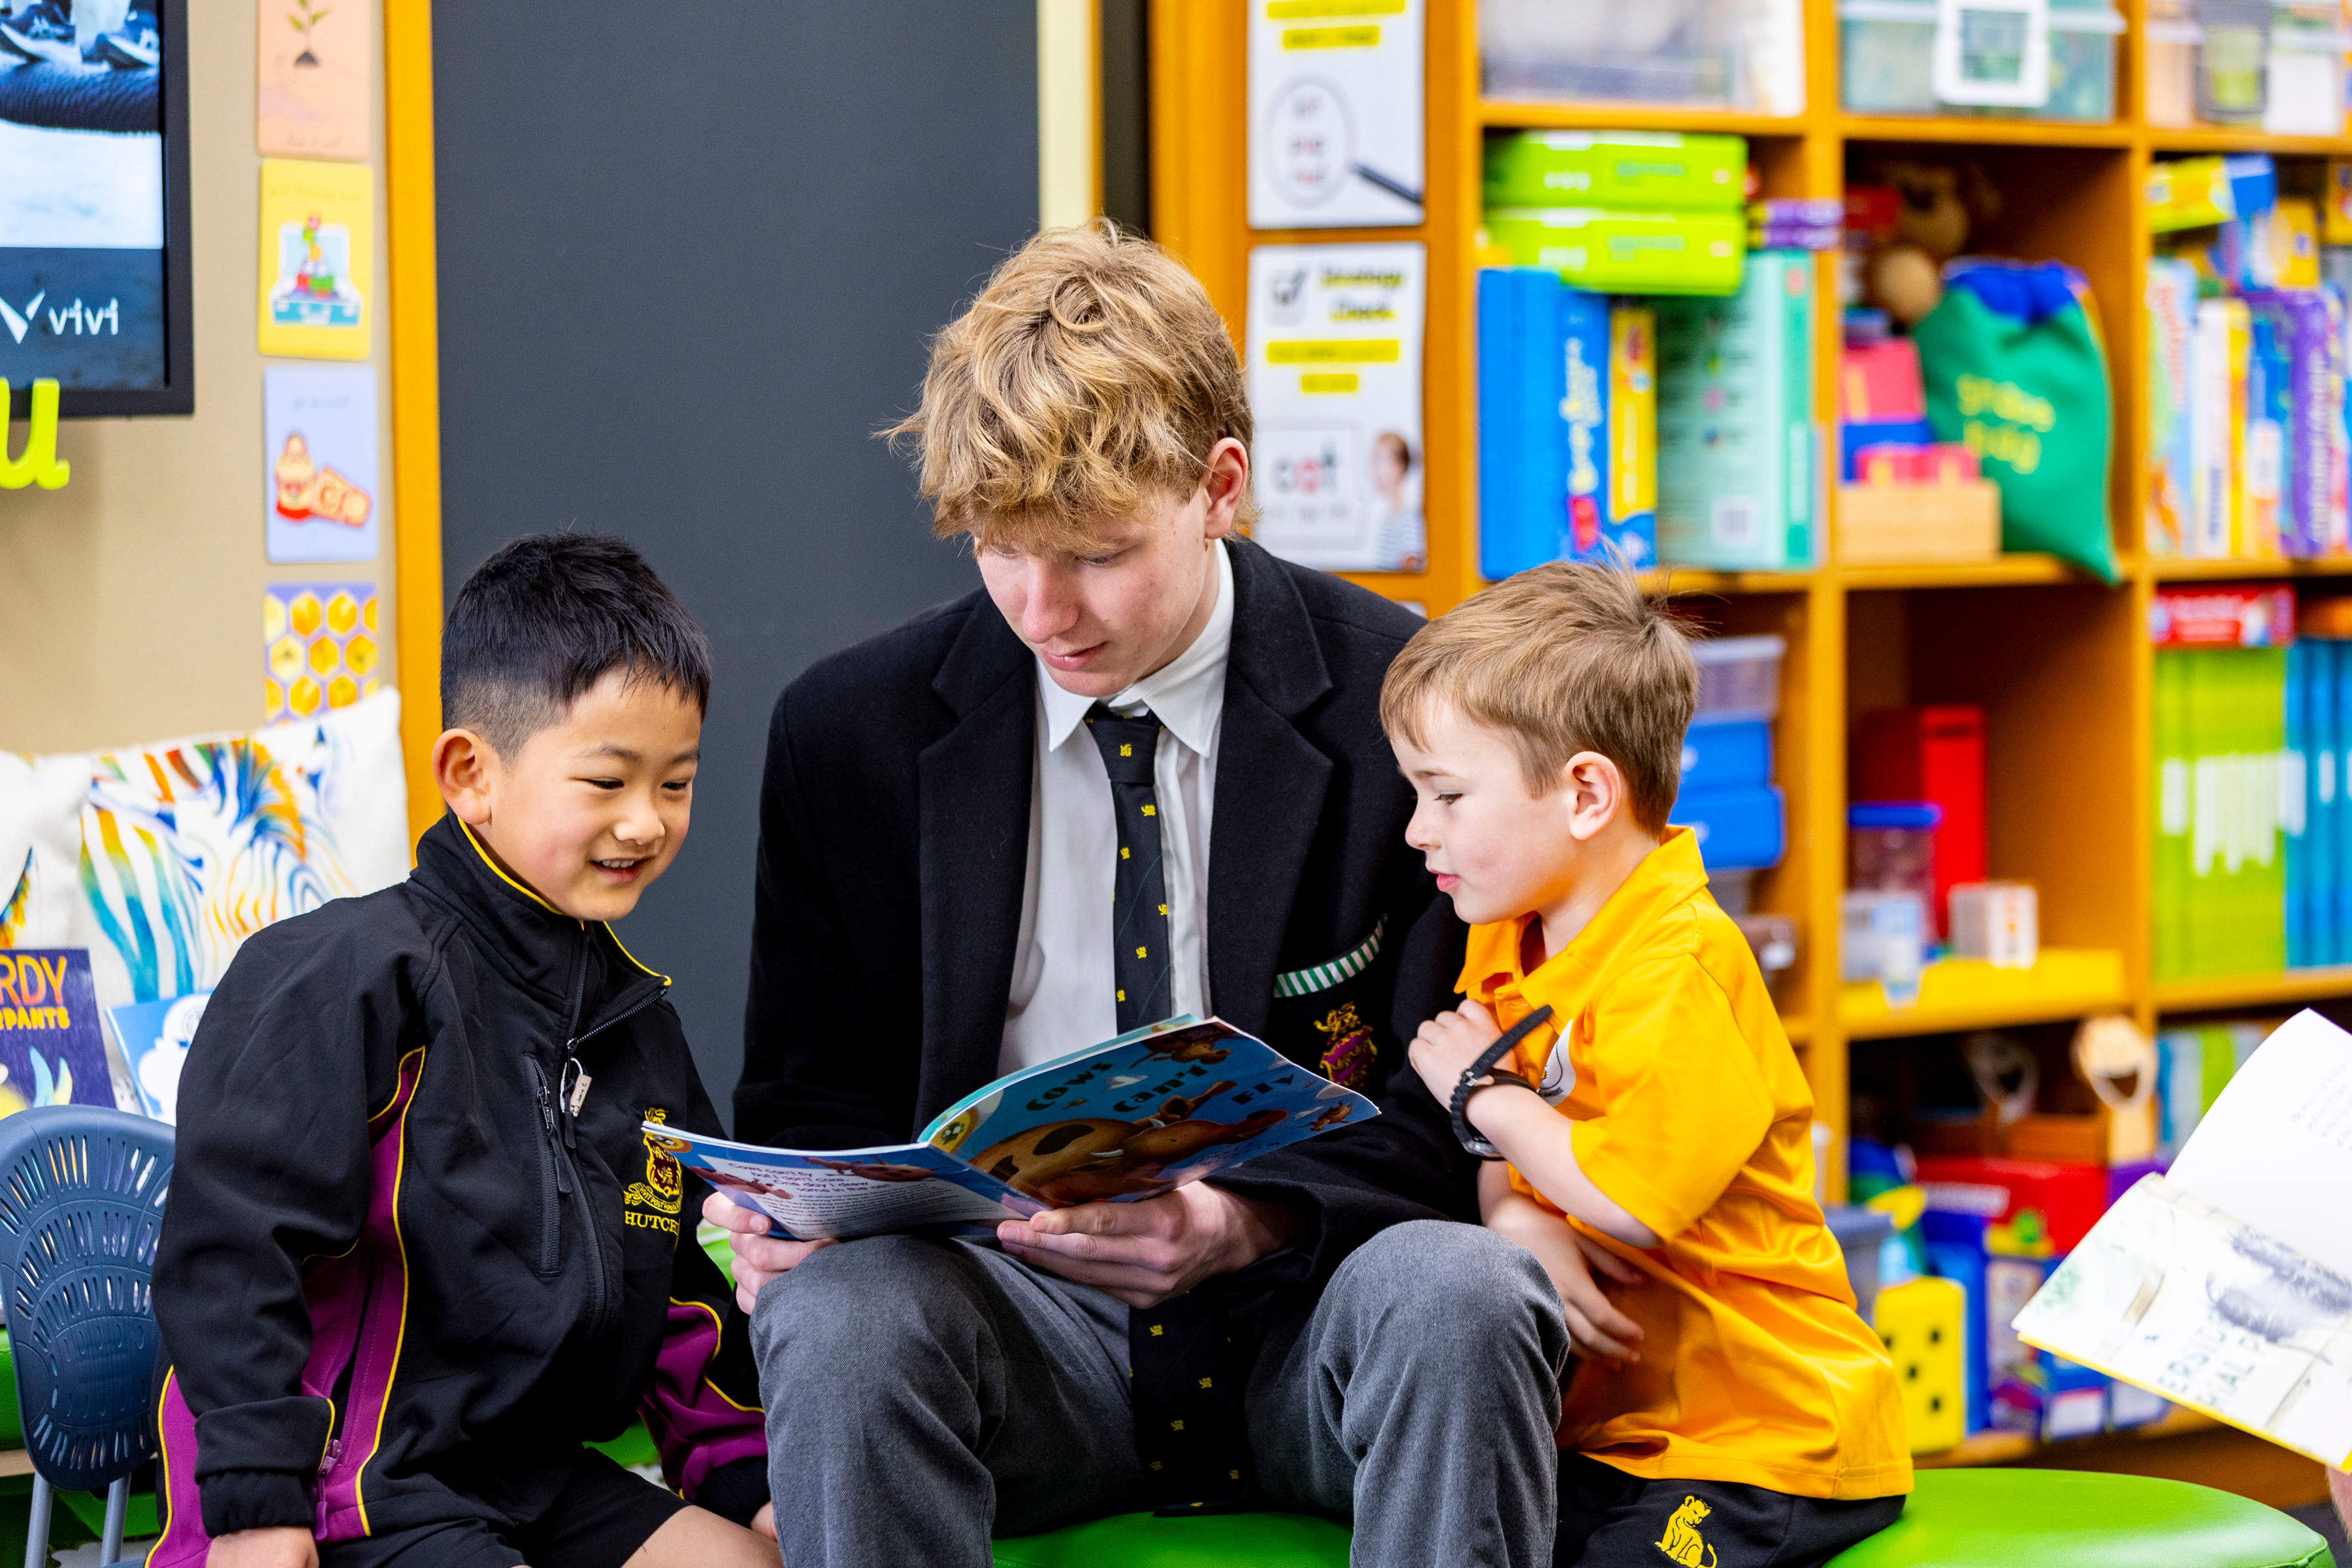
(418,1248)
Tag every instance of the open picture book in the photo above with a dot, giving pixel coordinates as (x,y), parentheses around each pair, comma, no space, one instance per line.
(2226,1285)
(1132,1118)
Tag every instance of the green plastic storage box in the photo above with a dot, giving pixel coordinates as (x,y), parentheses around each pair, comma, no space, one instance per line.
(1621,250)
(1617,169)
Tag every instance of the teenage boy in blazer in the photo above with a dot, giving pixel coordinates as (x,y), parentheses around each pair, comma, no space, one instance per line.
(934,885)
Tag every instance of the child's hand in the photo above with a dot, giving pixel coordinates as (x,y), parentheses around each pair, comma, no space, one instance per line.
(1597,1330)
(1449,1045)
(288,1546)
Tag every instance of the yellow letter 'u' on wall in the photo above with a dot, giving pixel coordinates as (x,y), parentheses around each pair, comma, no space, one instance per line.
(40,464)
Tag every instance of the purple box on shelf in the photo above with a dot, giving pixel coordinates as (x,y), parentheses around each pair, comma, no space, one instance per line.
(2301,323)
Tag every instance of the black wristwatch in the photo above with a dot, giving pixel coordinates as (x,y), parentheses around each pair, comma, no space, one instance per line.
(1484,1073)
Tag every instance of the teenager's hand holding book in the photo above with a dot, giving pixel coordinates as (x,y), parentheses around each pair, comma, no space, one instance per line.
(760,1255)
(1145,1252)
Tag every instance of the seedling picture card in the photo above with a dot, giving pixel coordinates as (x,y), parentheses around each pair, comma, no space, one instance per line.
(319,448)
(315,68)
(318,257)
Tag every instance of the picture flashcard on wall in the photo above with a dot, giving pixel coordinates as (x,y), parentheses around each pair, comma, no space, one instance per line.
(1334,340)
(316,68)
(318,232)
(51,1049)
(1335,113)
(320,646)
(320,445)
(153,1038)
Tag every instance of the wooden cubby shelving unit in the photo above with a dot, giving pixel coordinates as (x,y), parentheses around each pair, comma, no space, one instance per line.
(2059,659)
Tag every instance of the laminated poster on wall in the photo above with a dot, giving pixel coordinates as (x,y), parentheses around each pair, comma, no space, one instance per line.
(317,233)
(1335,113)
(316,67)
(1334,343)
(321,646)
(320,447)
(51,1049)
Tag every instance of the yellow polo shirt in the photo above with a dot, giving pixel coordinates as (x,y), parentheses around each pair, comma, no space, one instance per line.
(1690,1112)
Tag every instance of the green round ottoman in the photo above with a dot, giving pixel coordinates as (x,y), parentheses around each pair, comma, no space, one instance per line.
(1955,1519)
(2079,1519)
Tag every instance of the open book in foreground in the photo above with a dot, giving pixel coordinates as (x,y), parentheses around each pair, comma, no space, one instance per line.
(2226,1285)
(1131,1118)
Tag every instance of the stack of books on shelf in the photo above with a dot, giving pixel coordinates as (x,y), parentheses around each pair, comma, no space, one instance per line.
(1644,381)
(2253,733)
(2247,441)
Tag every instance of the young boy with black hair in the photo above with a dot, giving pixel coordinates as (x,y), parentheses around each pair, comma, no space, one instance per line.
(1653,1125)
(419,1250)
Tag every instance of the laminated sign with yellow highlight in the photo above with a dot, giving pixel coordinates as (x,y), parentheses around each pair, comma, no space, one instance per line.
(318,239)
(1335,113)
(321,646)
(1335,337)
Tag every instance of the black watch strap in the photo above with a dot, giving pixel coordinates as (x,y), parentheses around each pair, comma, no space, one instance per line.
(1481,1074)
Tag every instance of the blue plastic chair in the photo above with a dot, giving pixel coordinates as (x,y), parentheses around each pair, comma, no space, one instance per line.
(81,1205)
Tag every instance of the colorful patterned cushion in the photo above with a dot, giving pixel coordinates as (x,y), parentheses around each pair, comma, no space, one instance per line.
(162,859)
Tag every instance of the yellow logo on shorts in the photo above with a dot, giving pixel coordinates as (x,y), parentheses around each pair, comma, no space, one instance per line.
(664,1189)
(1682,1542)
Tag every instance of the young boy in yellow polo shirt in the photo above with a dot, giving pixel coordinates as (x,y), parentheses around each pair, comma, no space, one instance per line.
(1729,1408)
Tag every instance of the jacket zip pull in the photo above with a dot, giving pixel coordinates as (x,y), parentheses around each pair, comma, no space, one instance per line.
(334,1452)
(570,1082)
(547,1122)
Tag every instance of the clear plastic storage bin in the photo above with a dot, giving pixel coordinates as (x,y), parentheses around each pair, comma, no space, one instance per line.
(2169,38)
(1892,847)
(1886,52)
(1739,678)
(1716,54)
(2304,95)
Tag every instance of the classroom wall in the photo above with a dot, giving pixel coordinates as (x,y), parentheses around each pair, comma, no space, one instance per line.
(683,280)
(131,600)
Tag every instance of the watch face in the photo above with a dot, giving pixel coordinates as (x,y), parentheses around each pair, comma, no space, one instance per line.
(1560,1075)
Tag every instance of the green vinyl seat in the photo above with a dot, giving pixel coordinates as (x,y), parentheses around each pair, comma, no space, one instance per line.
(2076,1519)
(1955,1519)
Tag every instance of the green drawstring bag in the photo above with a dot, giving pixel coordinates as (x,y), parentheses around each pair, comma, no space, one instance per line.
(2015,370)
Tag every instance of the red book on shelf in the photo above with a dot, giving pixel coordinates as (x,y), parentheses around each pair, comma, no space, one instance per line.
(1933,752)
(2221,618)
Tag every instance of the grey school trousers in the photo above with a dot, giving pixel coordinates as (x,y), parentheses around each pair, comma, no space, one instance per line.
(922,1396)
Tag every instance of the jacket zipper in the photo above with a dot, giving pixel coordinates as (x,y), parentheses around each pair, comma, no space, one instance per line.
(342,1397)
(554,1184)
(560,1124)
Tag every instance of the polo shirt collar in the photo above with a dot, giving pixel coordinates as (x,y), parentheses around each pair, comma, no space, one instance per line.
(1188,696)
(1668,876)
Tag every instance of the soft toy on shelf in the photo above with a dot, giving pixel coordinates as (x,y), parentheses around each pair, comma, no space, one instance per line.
(1917,217)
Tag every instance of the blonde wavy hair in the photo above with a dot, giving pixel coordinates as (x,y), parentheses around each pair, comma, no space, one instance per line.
(1091,374)
(1566,658)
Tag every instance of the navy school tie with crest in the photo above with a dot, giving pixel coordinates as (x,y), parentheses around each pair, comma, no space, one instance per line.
(1188,1417)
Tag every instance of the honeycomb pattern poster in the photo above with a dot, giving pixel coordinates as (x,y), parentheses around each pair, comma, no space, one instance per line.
(320,646)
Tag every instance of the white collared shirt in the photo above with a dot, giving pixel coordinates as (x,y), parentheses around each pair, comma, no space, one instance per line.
(1063,990)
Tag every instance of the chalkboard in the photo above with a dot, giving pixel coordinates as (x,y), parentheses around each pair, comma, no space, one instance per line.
(689,257)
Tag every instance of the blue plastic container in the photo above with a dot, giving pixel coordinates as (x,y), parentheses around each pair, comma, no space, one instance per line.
(1727,753)
(1737,829)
